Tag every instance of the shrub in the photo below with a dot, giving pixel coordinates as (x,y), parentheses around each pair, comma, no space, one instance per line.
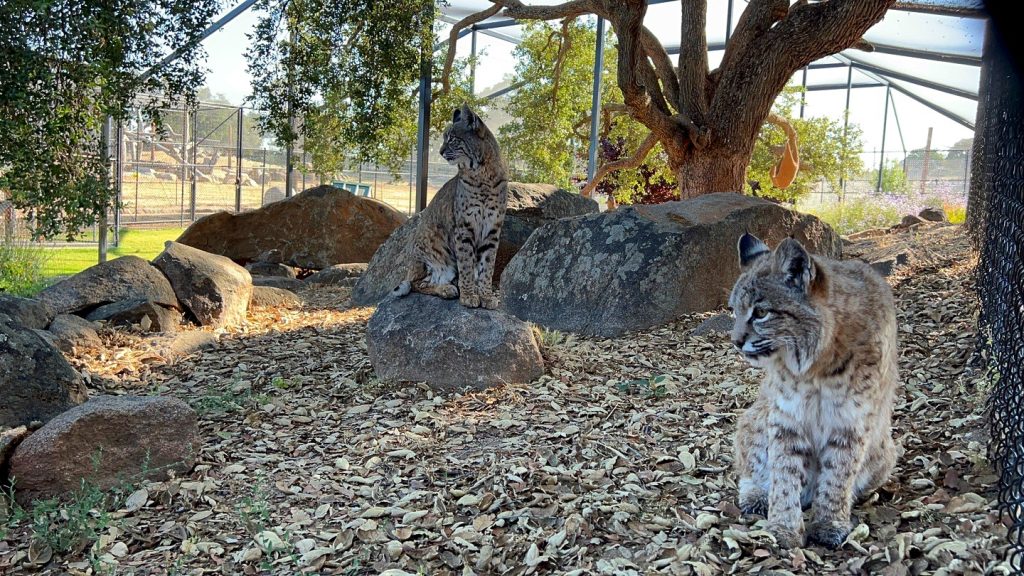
(858,214)
(21,268)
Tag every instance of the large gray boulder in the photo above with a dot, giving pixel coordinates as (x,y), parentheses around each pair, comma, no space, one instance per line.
(636,267)
(529,207)
(36,381)
(125,278)
(213,288)
(25,312)
(106,441)
(315,229)
(422,338)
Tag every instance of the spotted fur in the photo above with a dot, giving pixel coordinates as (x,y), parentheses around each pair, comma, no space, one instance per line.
(456,239)
(819,434)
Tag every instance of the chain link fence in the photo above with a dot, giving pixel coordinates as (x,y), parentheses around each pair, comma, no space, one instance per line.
(997,222)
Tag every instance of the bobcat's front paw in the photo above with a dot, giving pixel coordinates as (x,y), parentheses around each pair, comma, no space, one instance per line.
(448,292)
(830,534)
(786,536)
(469,299)
(489,300)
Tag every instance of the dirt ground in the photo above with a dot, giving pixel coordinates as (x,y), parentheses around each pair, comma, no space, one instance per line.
(616,462)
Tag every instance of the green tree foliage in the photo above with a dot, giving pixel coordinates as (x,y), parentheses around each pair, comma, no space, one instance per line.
(894,179)
(547,139)
(66,66)
(824,154)
(353,68)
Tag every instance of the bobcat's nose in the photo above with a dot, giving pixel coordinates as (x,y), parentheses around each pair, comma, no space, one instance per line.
(737,343)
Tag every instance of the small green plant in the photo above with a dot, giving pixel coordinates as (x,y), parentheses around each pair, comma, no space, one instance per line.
(11,513)
(655,387)
(220,402)
(22,268)
(955,214)
(73,524)
(282,383)
(254,509)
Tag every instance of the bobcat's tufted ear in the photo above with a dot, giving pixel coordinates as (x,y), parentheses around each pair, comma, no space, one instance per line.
(750,248)
(457,115)
(795,264)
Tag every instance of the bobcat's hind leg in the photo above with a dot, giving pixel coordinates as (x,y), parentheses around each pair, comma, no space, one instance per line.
(438,282)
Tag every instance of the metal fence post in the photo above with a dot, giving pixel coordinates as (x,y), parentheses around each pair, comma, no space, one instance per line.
(192,172)
(238,165)
(105,158)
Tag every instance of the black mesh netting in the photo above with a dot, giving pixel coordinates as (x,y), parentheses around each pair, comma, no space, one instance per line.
(998,222)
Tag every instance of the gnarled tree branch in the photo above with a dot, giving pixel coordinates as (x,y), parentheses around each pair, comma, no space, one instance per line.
(563,51)
(453,38)
(516,9)
(633,161)
(693,61)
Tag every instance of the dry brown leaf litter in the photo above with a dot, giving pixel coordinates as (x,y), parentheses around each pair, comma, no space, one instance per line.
(311,466)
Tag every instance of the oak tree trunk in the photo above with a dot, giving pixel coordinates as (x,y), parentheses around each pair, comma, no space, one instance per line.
(711,170)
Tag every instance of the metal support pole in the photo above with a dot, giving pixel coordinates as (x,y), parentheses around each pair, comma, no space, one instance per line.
(803,95)
(192,172)
(423,120)
(238,164)
(728,22)
(105,157)
(118,182)
(184,162)
(846,127)
(881,161)
(595,103)
(472,62)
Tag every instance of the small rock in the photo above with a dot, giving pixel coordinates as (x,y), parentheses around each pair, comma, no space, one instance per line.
(125,278)
(886,266)
(25,311)
(213,288)
(70,332)
(185,344)
(132,312)
(933,215)
(422,338)
(107,440)
(272,269)
(338,275)
(9,440)
(909,221)
(717,324)
(269,297)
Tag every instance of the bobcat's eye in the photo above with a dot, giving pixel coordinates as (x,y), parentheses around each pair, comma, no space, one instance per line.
(759,314)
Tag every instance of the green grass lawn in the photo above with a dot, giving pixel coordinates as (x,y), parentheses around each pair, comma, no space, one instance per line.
(145,244)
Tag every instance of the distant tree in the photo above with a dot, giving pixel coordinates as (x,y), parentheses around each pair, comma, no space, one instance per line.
(961,149)
(824,154)
(894,179)
(66,66)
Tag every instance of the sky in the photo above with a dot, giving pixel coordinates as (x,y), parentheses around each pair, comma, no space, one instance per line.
(227,73)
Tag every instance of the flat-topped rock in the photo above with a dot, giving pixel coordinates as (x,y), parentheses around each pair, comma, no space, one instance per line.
(422,338)
(213,288)
(124,278)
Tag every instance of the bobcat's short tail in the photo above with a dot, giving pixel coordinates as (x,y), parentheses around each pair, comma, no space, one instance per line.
(403,289)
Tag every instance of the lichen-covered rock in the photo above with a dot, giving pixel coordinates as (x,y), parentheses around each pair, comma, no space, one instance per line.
(529,207)
(314,229)
(272,269)
(291,284)
(641,266)
(36,381)
(106,441)
(933,215)
(25,312)
(213,288)
(125,278)
(422,338)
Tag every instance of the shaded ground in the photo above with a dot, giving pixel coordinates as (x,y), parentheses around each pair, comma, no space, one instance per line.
(618,462)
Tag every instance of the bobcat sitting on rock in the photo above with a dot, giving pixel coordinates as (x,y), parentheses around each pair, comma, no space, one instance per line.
(457,235)
(819,432)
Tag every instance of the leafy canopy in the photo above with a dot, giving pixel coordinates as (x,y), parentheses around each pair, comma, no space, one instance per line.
(353,67)
(67,65)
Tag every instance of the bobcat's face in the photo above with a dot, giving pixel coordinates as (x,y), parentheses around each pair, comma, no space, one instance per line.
(463,140)
(774,318)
